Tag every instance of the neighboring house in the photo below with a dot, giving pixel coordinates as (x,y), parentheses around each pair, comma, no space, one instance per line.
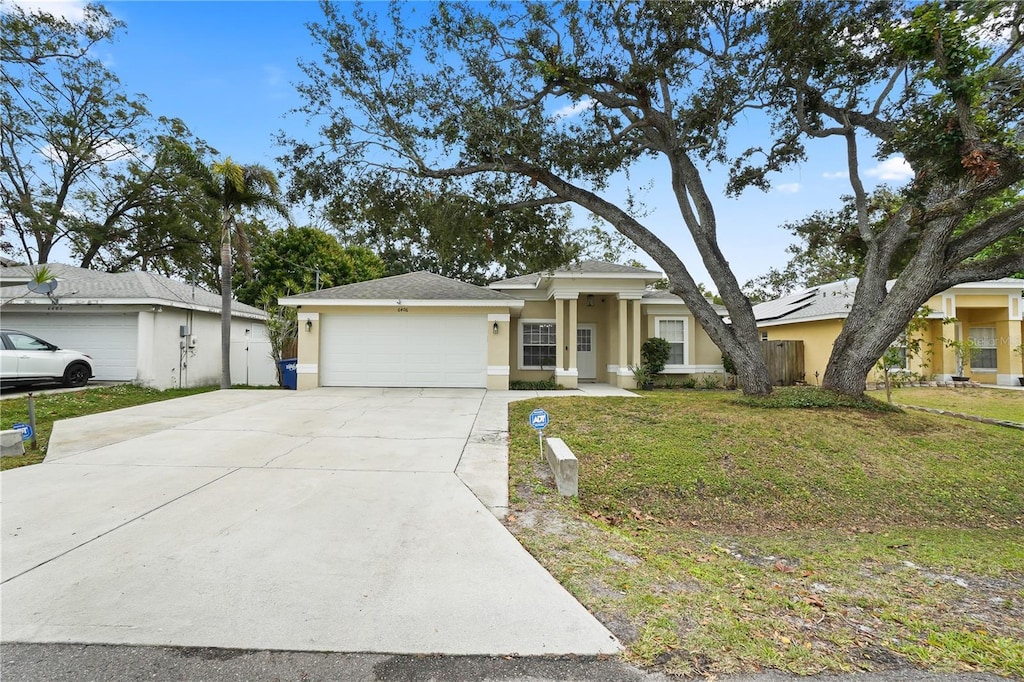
(580,323)
(990,313)
(139,326)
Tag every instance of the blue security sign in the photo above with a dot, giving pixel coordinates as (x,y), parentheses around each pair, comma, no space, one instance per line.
(26,430)
(538,419)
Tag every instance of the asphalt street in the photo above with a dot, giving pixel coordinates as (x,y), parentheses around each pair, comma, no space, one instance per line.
(102,663)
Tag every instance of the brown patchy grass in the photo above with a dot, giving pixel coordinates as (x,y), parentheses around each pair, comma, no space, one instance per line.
(715,538)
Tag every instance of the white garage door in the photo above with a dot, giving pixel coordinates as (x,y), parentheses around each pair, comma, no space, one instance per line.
(110,338)
(404,350)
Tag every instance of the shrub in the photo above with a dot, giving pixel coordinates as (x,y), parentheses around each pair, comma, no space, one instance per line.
(710,381)
(728,365)
(812,397)
(547,385)
(655,352)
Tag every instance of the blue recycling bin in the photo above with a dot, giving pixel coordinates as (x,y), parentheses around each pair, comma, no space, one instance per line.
(289,372)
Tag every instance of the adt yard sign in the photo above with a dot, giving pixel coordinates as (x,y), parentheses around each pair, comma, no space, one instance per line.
(26,430)
(539,419)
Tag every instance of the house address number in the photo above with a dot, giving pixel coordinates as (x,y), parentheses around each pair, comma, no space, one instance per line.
(403,310)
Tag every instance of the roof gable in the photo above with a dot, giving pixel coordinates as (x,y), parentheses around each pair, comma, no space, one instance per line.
(588,268)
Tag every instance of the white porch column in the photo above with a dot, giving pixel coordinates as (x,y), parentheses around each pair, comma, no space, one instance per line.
(571,333)
(566,373)
(623,337)
(559,336)
(635,331)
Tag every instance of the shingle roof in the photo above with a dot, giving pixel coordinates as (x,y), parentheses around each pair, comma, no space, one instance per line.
(587,267)
(80,283)
(413,286)
(828,300)
(668,296)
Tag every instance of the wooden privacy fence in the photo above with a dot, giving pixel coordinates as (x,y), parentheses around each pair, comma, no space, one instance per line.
(785,361)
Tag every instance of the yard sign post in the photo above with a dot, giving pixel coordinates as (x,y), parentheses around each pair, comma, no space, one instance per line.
(538,420)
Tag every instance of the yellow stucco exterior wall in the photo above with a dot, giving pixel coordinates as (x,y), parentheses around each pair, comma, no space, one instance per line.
(963,312)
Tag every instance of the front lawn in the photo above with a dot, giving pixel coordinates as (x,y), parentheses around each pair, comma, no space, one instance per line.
(53,407)
(714,537)
(993,403)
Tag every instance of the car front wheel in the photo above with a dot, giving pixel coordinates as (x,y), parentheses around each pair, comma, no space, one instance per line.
(76,375)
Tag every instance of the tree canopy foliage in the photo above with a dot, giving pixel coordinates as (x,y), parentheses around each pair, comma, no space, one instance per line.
(830,247)
(547,103)
(299,259)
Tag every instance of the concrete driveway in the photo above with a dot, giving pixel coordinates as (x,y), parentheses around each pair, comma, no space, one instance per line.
(359,520)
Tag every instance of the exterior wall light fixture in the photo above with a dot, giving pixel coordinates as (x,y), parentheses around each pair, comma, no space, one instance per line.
(494,328)
(309,325)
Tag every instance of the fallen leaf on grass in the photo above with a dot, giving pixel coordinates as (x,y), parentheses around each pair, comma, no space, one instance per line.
(814,600)
(783,567)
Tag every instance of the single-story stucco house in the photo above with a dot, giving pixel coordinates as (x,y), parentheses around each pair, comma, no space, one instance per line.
(139,326)
(581,323)
(990,313)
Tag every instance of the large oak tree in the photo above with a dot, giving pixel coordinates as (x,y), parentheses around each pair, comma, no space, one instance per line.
(549,102)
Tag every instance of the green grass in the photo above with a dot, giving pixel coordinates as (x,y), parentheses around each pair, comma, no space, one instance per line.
(53,407)
(982,402)
(714,537)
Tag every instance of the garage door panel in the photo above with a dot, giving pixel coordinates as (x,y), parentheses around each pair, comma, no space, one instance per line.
(403,350)
(109,338)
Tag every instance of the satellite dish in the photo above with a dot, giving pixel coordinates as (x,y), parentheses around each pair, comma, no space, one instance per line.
(45,288)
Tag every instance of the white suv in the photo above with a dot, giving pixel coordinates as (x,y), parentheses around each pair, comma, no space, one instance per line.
(27,359)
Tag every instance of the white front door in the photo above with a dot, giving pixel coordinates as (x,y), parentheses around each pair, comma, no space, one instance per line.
(586,351)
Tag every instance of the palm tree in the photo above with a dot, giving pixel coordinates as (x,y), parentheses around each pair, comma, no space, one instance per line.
(235,188)
(232,188)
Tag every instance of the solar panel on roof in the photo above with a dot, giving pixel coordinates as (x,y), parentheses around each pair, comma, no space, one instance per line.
(773,310)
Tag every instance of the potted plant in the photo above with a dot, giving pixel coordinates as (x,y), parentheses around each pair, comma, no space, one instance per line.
(964,350)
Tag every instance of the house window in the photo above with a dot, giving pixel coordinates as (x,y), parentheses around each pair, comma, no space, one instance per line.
(984,358)
(764,336)
(896,358)
(673,330)
(538,344)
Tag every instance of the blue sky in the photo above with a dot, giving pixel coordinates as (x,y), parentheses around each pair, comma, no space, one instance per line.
(227,69)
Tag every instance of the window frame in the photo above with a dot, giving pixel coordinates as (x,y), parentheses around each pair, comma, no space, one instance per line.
(521,346)
(994,339)
(686,339)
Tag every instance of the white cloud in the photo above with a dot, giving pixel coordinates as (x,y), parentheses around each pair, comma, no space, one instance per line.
(894,169)
(788,187)
(573,109)
(110,151)
(72,10)
(838,175)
